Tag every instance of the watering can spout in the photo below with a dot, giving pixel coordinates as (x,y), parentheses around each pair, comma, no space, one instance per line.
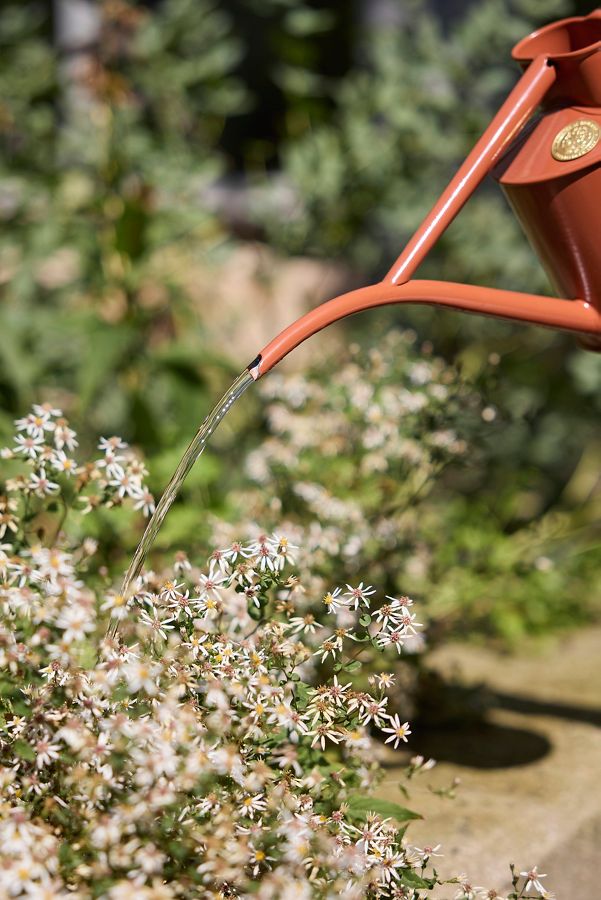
(550,170)
(576,315)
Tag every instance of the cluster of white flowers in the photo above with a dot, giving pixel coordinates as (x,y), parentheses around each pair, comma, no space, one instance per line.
(378,402)
(46,441)
(354,451)
(209,749)
(393,624)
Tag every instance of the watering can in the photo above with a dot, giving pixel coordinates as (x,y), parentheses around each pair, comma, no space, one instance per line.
(550,169)
(548,165)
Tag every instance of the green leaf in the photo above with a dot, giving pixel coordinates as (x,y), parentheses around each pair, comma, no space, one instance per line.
(353,666)
(306,22)
(24,750)
(254,612)
(359,803)
(302,693)
(411,879)
(365,620)
(205,470)
(107,348)
(176,850)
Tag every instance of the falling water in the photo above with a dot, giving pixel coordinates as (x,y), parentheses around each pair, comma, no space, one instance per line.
(193,451)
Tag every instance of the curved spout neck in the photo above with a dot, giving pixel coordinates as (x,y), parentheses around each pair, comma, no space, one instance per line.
(566,315)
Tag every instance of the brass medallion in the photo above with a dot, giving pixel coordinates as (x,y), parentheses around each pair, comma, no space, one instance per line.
(575,140)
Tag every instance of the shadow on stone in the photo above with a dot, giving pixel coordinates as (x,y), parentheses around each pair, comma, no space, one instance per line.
(453,724)
(530,706)
(481,745)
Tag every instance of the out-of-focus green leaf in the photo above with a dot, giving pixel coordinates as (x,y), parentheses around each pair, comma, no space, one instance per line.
(24,750)
(107,348)
(386,808)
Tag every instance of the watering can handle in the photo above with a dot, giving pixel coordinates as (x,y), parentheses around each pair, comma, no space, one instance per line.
(511,117)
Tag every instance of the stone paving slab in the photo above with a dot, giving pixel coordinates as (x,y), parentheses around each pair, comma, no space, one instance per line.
(544,810)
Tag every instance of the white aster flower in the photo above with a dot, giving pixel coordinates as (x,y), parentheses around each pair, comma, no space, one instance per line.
(359,596)
(252,804)
(159,625)
(324,732)
(29,446)
(533,877)
(36,423)
(282,550)
(76,621)
(408,623)
(209,586)
(111,444)
(127,485)
(373,711)
(303,624)
(64,436)
(398,732)
(46,752)
(145,502)
(141,674)
(266,557)
(370,832)
(41,485)
(329,647)
(63,463)
(334,600)
(392,638)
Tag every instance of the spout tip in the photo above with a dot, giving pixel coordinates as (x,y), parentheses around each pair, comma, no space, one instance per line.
(254,367)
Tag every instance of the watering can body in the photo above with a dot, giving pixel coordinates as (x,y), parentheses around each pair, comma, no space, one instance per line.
(558,201)
(551,174)
(544,148)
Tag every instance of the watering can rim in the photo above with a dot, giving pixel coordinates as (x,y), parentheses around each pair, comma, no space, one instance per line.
(521,54)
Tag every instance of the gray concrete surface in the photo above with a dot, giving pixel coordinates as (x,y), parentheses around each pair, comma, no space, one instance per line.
(538,798)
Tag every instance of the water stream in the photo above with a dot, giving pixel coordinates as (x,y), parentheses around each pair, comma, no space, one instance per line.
(193,451)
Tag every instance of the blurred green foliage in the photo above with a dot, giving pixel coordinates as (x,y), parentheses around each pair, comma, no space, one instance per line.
(105,164)
(101,173)
(103,158)
(403,120)
(295,52)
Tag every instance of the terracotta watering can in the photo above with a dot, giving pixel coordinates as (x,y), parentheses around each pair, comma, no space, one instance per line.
(549,167)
